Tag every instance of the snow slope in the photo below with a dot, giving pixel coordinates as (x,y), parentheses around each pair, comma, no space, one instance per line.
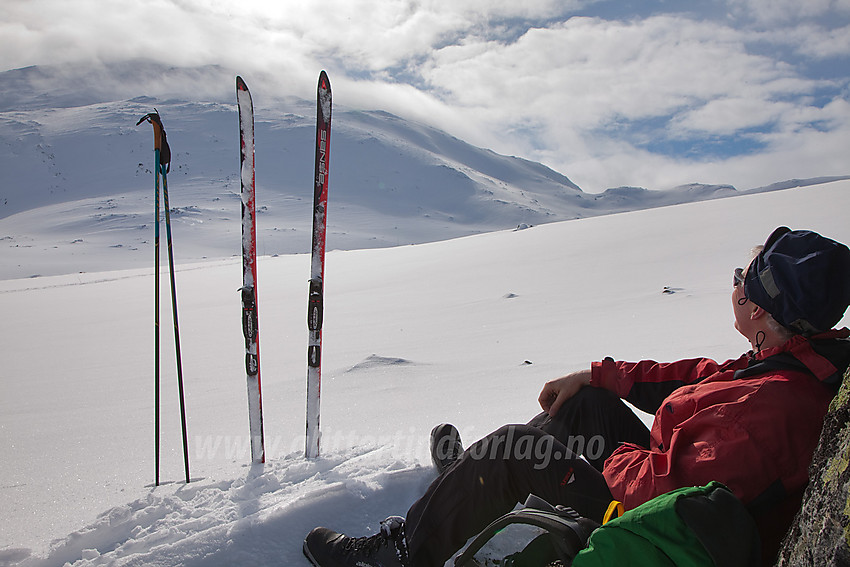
(77,185)
(463,330)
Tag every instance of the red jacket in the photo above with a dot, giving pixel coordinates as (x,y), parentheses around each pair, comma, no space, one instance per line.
(755,433)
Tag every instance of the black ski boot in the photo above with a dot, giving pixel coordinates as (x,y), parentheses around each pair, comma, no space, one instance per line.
(446,447)
(387,548)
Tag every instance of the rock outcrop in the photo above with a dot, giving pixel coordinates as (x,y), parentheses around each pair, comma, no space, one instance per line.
(820,534)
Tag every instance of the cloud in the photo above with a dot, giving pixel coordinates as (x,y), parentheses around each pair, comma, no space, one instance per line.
(816,42)
(602,88)
(606,95)
(772,12)
(725,116)
(367,36)
(589,70)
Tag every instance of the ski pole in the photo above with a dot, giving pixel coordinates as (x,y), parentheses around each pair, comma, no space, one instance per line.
(156,313)
(162,159)
(153,119)
(174,316)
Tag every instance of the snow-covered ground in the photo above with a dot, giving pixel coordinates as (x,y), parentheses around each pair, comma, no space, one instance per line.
(464,330)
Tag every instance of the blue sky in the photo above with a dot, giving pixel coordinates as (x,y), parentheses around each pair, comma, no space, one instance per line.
(612,92)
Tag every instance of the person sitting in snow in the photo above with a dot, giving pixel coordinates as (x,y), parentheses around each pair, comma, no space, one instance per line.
(751,423)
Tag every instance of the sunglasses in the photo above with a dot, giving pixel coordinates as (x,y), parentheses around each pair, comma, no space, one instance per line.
(738,277)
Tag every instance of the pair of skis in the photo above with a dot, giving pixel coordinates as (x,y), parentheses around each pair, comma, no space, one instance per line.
(315,302)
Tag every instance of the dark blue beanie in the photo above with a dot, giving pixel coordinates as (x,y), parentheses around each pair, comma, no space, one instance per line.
(802,279)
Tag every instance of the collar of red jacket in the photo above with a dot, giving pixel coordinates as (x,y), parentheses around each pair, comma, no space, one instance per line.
(800,347)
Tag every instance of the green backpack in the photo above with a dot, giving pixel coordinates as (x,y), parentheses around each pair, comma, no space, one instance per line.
(702,526)
(695,526)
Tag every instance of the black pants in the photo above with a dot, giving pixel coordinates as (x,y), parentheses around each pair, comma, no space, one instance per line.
(503,468)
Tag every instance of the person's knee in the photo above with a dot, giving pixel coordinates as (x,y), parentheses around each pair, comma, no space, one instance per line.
(509,442)
(516,445)
(593,396)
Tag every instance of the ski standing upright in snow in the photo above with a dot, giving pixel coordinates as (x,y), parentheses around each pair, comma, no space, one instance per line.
(315,302)
(162,165)
(250,319)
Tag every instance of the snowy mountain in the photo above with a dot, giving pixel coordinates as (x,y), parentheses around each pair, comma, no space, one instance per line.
(77,184)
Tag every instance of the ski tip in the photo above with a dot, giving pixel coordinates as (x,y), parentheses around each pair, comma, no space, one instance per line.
(324,82)
(240,84)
